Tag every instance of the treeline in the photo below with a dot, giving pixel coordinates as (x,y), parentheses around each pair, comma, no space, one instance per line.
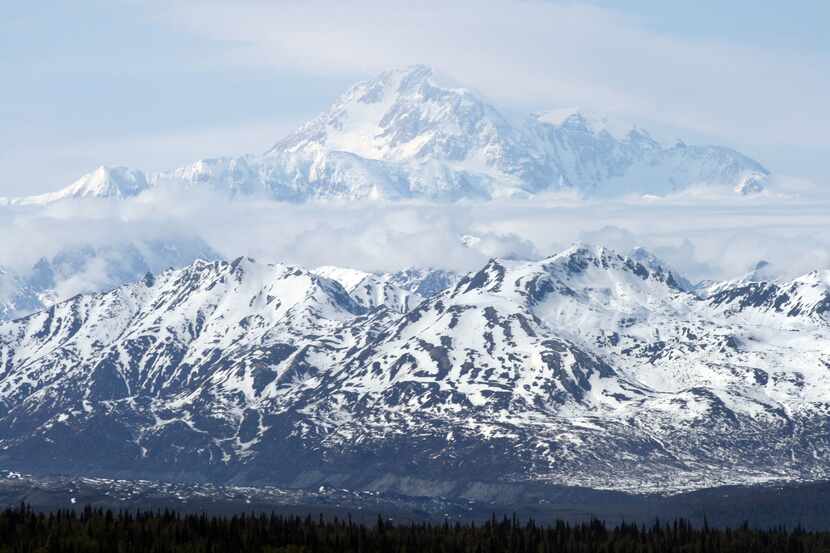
(94,530)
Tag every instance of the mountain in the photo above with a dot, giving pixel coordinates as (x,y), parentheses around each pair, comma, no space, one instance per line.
(586,368)
(406,135)
(105,182)
(91,268)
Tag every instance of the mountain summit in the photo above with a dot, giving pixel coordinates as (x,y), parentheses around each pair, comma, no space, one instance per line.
(404,134)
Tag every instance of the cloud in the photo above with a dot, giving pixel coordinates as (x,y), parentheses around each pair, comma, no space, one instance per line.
(92,278)
(504,246)
(715,238)
(539,53)
(702,239)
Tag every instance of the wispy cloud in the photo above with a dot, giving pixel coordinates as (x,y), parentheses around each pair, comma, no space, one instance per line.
(156,85)
(540,53)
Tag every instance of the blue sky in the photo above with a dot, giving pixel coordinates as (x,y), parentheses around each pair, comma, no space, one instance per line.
(798,25)
(158,84)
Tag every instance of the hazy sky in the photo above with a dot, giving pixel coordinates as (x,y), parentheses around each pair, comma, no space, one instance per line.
(156,84)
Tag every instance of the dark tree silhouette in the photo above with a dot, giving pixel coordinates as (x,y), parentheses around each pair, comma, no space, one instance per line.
(94,530)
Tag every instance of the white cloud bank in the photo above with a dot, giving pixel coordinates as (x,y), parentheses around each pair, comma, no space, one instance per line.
(717,238)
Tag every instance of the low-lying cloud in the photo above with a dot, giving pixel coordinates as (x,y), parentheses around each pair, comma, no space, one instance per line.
(703,239)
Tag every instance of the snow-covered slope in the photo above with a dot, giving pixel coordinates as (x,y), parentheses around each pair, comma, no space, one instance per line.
(406,135)
(671,339)
(587,367)
(167,333)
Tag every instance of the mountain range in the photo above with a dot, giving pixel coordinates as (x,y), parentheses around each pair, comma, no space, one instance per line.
(586,368)
(405,135)
(157,360)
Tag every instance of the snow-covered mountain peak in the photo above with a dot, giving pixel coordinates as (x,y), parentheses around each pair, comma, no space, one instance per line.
(582,285)
(401,115)
(400,81)
(585,251)
(488,279)
(255,281)
(583,274)
(579,258)
(109,182)
(105,182)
